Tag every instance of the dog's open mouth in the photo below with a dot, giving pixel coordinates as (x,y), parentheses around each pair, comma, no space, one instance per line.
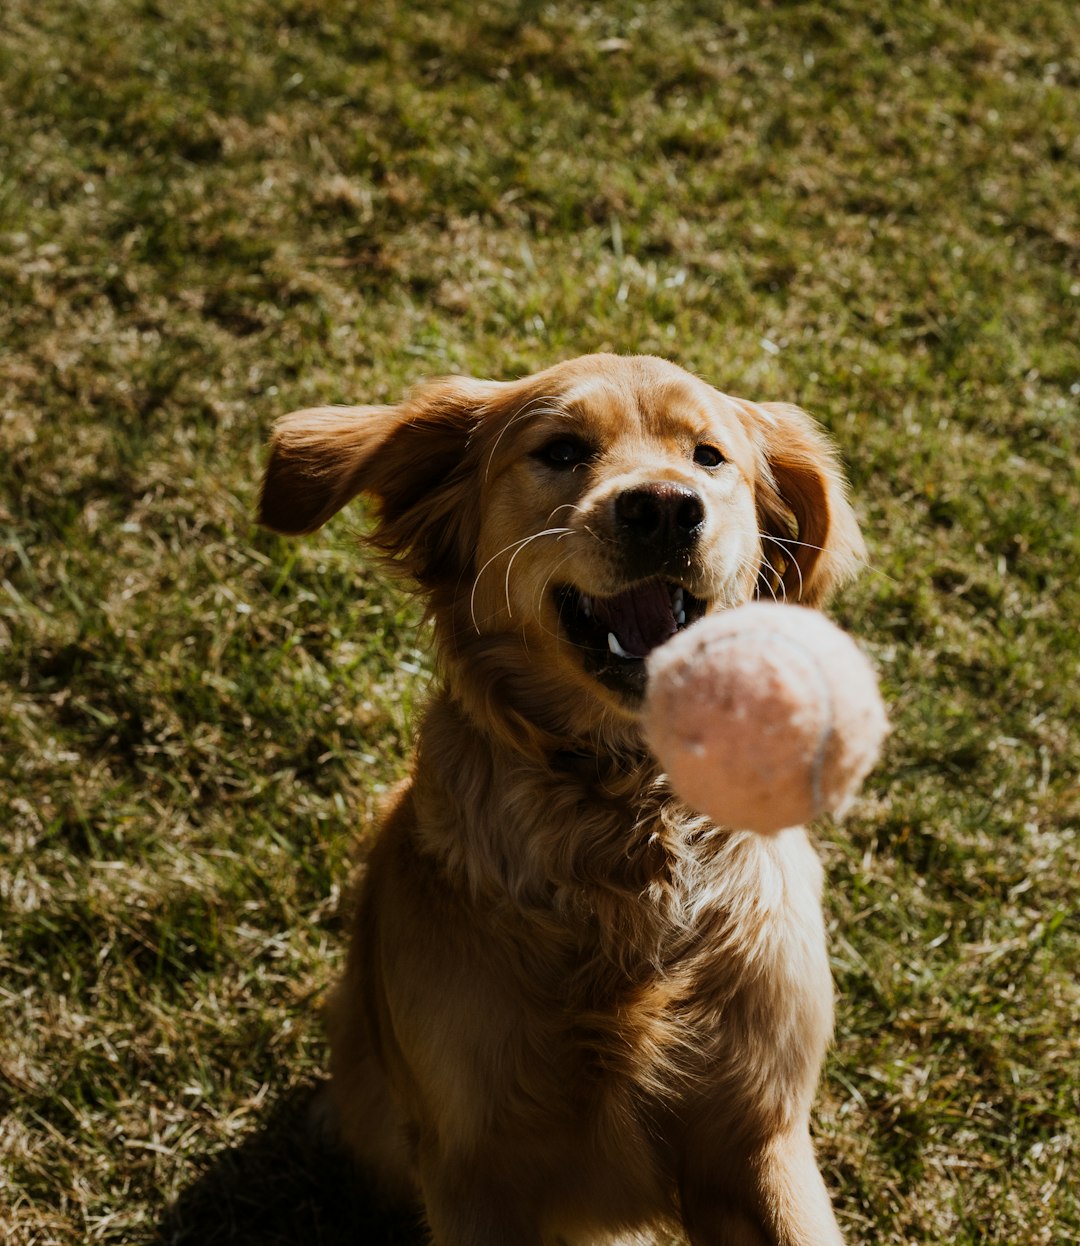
(616,634)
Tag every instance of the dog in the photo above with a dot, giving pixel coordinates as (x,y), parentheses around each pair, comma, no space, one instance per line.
(574,1010)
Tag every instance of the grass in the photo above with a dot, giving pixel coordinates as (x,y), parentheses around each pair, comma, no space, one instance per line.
(211,214)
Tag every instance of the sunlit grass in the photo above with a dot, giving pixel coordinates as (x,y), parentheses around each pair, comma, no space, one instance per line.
(212,214)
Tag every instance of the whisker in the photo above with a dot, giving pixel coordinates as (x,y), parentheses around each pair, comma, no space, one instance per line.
(864,563)
(498,554)
(564,506)
(784,542)
(543,589)
(532,407)
(763,580)
(555,532)
(798,571)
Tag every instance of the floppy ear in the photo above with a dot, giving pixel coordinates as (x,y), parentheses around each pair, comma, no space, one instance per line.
(317,461)
(413,459)
(811,536)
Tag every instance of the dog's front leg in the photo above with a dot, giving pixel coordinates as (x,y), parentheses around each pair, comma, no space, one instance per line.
(466,1209)
(774,1198)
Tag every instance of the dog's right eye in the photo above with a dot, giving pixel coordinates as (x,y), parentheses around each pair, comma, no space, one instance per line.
(563,452)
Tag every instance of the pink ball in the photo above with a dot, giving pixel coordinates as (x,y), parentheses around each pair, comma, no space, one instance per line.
(764,716)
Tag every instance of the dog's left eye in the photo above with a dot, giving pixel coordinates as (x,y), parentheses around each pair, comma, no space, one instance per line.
(707,456)
(563,452)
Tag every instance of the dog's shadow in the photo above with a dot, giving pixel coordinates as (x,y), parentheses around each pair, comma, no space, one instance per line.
(279,1187)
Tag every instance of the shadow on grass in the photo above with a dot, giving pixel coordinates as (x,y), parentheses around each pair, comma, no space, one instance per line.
(276,1188)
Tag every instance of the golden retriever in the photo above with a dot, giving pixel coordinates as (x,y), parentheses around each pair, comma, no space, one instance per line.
(574,1010)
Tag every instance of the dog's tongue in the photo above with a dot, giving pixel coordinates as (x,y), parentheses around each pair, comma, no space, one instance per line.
(641,618)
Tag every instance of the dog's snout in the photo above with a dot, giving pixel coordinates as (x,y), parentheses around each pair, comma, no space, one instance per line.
(664,516)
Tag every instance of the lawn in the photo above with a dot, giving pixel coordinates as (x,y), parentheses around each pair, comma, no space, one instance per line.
(211,214)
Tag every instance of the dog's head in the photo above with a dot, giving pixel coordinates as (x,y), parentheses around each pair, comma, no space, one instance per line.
(564,525)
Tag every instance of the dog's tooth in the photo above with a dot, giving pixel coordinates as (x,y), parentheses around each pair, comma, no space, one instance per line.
(586,606)
(680,617)
(615,647)
(677,603)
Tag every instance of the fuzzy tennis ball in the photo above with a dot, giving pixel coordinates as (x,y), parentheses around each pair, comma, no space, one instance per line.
(764,716)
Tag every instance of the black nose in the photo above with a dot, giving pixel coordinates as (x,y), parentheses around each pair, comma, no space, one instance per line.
(666,517)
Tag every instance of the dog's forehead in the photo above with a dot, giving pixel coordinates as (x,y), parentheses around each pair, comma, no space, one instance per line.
(655,403)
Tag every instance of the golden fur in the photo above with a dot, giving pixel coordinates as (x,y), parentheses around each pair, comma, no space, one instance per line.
(573,1009)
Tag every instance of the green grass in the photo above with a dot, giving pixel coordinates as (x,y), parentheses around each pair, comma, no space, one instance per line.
(211,214)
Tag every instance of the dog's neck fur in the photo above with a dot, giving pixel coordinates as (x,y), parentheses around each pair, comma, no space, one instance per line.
(509,696)
(484,756)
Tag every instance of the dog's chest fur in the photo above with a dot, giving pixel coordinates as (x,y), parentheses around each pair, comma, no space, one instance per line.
(649,943)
